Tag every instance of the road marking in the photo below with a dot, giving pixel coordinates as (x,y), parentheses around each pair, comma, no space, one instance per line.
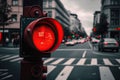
(17,59)
(4,56)
(81,62)
(106,74)
(10,58)
(64,73)
(57,61)
(107,62)
(84,53)
(4,74)
(50,69)
(90,45)
(70,61)
(71,49)
(118,60)
(48,60)
(94,61)
(6,77)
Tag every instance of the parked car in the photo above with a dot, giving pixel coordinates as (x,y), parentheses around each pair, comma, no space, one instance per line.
(69,43)
(94,40)
(108,43)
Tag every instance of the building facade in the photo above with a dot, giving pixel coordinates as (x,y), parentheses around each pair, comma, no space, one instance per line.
(12,30)
(56,10)
(112,9)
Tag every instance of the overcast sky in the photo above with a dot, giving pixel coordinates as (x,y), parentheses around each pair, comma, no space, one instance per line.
(84,9)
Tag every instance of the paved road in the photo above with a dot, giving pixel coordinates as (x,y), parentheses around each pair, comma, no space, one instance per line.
(79,62)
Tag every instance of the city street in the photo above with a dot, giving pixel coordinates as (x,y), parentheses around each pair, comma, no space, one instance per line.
(78,62)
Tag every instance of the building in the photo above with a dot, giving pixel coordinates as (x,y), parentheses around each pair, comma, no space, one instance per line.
(112,9)
(56,10)
(13,29)
(96,18)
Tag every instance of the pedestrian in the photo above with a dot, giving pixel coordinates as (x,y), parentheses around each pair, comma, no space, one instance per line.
(7,41)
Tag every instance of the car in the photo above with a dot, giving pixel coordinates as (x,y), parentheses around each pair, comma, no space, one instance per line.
(95,41)
(108,43)
(69,43)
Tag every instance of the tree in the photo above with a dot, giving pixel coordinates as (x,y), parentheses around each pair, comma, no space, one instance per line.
(5,9)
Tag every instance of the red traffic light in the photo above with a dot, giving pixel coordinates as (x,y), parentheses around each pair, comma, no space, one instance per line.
(44,34)
(118,28)
(0,36)
(94,29)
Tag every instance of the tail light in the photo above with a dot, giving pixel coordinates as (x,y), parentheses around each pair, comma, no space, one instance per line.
(105,43)
(117,44)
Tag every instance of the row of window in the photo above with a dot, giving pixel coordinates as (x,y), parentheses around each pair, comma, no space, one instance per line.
(115,17)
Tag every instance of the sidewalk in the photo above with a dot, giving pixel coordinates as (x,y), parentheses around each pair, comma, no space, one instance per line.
(10,45)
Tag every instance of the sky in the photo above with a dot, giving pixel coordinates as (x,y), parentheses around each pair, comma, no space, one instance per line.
(85,10)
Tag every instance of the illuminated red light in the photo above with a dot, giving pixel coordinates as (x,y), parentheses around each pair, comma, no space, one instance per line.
(105,43)
(0,36)
(43,38)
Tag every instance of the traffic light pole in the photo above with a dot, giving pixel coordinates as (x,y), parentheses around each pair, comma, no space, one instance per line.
(31,68)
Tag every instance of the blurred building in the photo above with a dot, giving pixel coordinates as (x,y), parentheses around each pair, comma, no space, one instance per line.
(112,9)
(56,10)
(13,29)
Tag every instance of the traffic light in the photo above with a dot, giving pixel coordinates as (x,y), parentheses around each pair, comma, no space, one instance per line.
(0,37)
(40,36)
(94,29)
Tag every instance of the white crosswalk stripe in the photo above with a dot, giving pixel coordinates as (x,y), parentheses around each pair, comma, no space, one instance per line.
(106,74)
(64,73)
(57,61)
(70,61)
(81,61)
(48,60)
(118,60)
(50,69)
(107,61)
(4,56)
(94,61)
(6,77)
(16,56)
(17,59)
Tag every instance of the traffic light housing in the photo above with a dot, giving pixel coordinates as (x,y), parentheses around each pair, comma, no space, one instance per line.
(40,36)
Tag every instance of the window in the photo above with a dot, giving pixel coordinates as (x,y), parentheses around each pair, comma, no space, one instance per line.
(115,14)
(14,2)
(14,18)
(50,3)
(49,13)
(115,2)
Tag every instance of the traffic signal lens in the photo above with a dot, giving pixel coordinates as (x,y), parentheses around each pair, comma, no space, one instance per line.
(43,38)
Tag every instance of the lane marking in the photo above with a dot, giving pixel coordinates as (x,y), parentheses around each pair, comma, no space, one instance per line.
(70,61)
(71,49)
(10,58)
(48,60)
(81,61)
(57,61)
(50,69)
(18,59)
(6,77)
(94,61)
(84,53)
(106,74)
(64,73)
(107,62)
(90,45)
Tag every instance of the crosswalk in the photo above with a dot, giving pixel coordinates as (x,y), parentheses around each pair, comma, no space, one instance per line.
(5,75)
(107,68)
(67,61)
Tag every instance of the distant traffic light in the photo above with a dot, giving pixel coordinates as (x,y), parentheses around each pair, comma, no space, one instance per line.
(0,36)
